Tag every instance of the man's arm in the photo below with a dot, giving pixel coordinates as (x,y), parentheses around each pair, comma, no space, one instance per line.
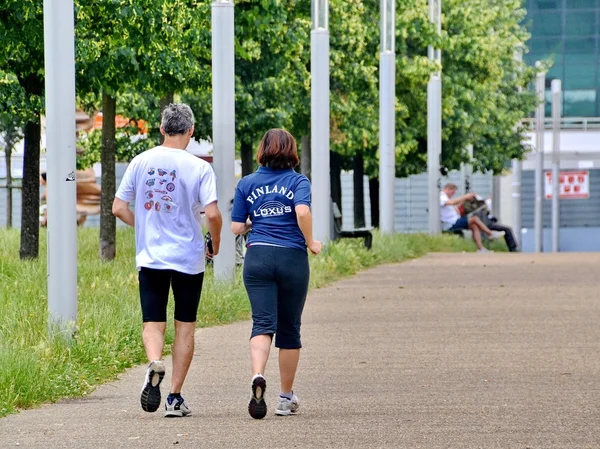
(214,224)
(460,199)
(120,209)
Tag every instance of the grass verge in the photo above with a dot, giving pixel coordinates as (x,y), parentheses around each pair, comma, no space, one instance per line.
(38,369)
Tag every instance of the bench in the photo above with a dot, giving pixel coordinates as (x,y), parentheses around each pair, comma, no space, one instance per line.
(364,233)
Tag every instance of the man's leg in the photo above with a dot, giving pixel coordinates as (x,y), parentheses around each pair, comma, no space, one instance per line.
(154,295)
(153,336)
(509,237)
(183,352)
(187,289)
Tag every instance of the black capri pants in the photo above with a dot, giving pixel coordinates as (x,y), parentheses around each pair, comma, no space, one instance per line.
(276,280)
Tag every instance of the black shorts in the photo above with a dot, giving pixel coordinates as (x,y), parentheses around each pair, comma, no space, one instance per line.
(276,280)
(154,294)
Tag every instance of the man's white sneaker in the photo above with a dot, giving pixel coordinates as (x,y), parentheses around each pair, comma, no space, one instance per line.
(150,397)
(286,407)
(257,407)
(175,407)
(496,235)
(484,250)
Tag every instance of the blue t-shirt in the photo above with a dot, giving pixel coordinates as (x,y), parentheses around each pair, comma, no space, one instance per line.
(269,197)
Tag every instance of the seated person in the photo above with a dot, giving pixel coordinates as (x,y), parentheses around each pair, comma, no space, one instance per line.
(492,223)
(452,221)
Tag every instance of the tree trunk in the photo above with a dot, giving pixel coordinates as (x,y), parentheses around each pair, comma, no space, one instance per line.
(359,191)
(335,172)
(247,158)
(9,207)
(108,223)
(305,156)
(30,208)
(374,196)
(163,103)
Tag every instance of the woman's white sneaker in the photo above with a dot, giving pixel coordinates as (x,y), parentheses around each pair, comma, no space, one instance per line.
(257,407)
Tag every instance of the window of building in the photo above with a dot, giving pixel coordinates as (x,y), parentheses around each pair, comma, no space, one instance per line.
(547,24)
(579,103)
(580,23)
(582,4)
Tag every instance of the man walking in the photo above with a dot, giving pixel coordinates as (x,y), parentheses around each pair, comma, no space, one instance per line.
(169,186)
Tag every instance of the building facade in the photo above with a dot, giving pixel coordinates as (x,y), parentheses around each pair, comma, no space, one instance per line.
(568,32)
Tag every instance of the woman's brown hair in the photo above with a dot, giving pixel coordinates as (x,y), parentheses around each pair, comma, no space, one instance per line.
(277,149)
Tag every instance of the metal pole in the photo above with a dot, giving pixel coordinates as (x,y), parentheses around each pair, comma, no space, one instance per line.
(517,169)
(539,160)
(223,82)
(59,62)
(434,125)
(556,112)
(387,117)
(496,196)
(319,57)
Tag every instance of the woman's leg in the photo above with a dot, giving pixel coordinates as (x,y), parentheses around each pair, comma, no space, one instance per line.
(476,221)
(288,364)
(259,280)
(476,236)
(260,347)
(293,286)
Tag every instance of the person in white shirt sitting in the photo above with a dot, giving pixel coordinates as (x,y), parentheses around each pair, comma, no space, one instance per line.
(452,221)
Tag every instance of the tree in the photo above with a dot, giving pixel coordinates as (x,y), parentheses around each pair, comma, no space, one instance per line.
(11,129)
(132,45)
(482,102)
(22,43)
(272,52)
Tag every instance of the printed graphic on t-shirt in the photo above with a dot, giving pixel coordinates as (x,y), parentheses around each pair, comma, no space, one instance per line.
(271,208)
(160,198)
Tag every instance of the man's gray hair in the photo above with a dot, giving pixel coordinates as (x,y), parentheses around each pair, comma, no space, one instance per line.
(177,119)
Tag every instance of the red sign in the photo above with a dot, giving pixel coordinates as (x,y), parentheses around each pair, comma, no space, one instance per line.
(574,185)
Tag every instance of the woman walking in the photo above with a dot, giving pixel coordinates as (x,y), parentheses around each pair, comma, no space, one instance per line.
(274,203)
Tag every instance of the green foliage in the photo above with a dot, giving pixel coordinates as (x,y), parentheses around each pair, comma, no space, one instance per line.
(354,31)
(481,81)
(146,49)
(22,57)
(128,144)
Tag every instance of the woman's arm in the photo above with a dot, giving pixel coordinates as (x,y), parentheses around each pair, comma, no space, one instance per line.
(305,223)
(240,228)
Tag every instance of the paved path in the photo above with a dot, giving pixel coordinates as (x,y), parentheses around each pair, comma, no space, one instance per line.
(449,351)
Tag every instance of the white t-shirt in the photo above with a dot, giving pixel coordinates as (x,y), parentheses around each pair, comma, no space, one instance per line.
(448,214)
(169,186)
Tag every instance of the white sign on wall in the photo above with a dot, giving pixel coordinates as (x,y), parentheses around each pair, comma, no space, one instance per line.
(574,184)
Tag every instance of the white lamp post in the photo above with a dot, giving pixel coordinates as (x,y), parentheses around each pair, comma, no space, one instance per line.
(540,118)
(319,63)
(387,117)
(223,83)
(434,124)
(59,61)
(556,112)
